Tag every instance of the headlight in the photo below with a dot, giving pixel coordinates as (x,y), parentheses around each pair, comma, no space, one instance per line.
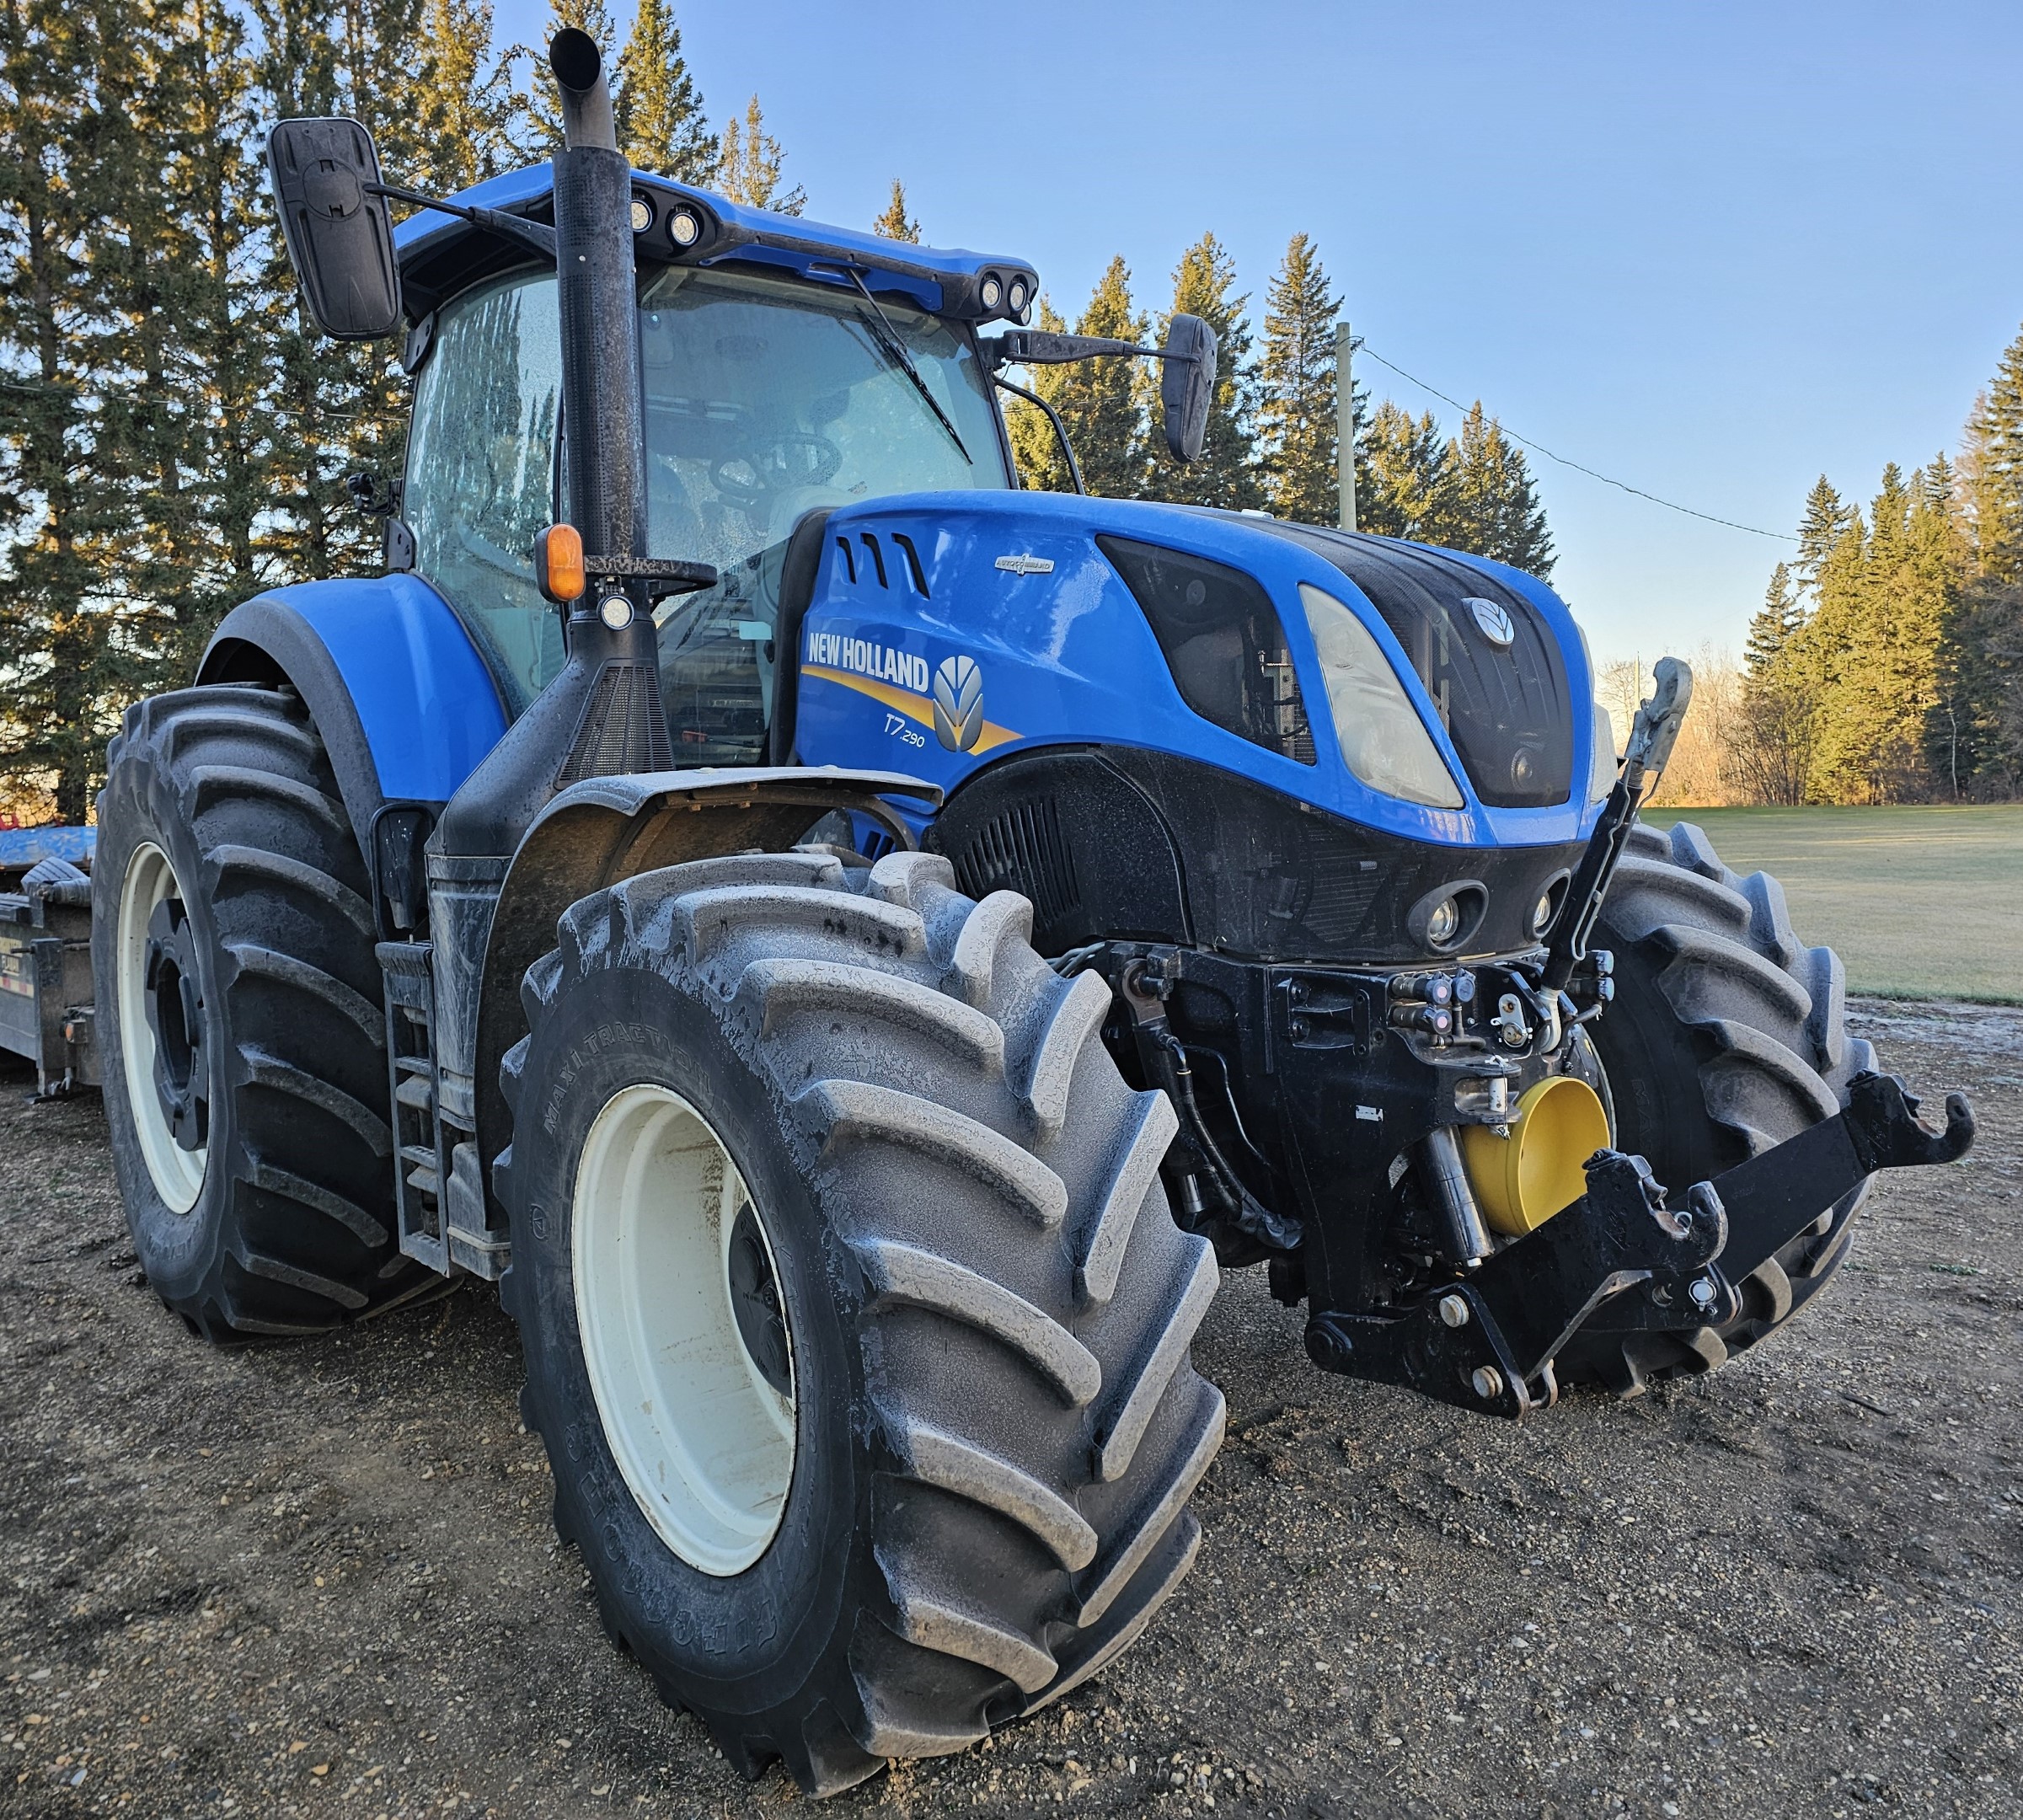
(1601,770)
(1383,741)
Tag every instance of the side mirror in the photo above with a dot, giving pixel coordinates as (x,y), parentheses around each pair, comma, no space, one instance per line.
(324,175)
(1187,385)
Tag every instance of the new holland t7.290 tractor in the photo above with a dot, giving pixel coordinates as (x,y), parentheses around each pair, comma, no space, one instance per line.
(850,946)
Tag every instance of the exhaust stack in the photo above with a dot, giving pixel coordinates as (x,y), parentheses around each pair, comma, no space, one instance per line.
(601,427)
(601,716)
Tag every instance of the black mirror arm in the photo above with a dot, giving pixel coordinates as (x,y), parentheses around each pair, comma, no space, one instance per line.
(1041,347)
(535,234)
(1068,448)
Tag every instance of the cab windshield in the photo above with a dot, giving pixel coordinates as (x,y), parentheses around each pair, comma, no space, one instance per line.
(765,399)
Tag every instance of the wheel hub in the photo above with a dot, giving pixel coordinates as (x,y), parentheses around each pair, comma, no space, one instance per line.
(683,1328)
(174,1004)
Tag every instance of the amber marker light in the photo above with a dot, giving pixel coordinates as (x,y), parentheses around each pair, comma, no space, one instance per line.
(558,563)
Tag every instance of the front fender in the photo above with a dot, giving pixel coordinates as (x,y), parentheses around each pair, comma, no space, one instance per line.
(403,702)
(607,829)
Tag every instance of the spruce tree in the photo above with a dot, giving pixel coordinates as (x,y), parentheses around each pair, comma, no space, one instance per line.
(1227,474)
(464,102)
(1775,621)
(57,180)
(542,111)
(1995,470)
(658,109)
(1100,400)
(749,166)
(200,310)
(1772,758)
(1036,449)
(1296,411)
(1491,506)
(895,223)
(1827,517)
(1403,476)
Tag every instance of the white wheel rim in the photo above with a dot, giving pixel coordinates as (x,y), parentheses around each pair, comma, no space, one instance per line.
(705,1441)
(178,1174)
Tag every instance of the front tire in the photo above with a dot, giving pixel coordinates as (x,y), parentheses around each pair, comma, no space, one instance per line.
(238,997)
(984,1306)
(1727,1036)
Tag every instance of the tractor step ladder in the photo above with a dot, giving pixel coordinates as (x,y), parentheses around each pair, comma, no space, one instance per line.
(439,1188)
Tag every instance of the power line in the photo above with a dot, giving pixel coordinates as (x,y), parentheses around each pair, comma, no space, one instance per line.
(1784,537)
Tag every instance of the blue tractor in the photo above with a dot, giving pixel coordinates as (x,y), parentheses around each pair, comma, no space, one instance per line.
(851,947)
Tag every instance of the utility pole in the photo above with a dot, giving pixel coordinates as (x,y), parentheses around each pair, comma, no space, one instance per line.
(1345,426)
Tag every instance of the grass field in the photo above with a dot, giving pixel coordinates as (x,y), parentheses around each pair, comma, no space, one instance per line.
(1920,902)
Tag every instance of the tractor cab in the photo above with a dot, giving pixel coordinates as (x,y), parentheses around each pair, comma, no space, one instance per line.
(785,368)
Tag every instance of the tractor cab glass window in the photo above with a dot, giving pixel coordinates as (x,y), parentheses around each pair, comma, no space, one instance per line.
(480,472)
(767,399)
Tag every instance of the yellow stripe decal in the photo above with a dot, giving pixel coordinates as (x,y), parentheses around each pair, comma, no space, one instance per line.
(905,702)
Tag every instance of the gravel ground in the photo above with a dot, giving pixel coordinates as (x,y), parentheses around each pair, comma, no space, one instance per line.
(320,1579)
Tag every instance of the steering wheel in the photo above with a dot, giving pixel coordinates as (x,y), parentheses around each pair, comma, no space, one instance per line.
(792,458)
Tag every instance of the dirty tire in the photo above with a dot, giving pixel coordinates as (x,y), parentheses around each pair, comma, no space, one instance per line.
(1726,1037)
(997,1421)
(292,1229)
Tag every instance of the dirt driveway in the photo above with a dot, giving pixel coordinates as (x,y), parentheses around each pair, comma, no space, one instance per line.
(320,1580)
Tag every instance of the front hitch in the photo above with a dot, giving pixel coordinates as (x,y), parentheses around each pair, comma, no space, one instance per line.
(1620,1258)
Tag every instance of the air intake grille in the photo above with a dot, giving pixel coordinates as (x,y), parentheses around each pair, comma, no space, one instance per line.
(1022,850)
(622,730)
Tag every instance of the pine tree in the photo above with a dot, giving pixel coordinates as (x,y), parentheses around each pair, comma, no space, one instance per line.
(469,116)
(749,164)
(1296,414)
(895,223)
(1227,474)
(658,109)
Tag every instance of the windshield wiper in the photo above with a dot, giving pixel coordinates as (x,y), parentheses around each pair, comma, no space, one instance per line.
(896,349)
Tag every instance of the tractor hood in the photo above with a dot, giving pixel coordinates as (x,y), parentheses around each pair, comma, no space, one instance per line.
(943,632)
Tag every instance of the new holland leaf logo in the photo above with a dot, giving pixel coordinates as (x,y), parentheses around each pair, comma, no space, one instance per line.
(959,700)
(1022,565)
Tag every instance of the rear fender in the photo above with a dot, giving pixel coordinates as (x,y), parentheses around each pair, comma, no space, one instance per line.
(608,828)
(402,701)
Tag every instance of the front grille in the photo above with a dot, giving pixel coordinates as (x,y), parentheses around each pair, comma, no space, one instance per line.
(1508,711)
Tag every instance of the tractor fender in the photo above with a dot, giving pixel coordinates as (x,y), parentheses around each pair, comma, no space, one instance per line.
(403,702)
(608,828)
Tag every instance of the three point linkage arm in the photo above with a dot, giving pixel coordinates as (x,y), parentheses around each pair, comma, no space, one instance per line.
(1619,1259)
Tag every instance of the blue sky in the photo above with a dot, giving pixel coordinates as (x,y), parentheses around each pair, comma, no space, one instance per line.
(1713,249)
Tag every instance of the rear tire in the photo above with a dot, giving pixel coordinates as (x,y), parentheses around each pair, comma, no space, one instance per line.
(220,815)
(1726,1037)
(986,1305)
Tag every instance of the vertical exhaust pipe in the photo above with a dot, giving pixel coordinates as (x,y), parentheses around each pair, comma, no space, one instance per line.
(606,482)
(601,716)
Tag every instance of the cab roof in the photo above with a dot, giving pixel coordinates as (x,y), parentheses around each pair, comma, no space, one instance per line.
(441,254)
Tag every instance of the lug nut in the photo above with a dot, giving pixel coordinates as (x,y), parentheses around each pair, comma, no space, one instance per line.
(1453,1310)
(1488,1383)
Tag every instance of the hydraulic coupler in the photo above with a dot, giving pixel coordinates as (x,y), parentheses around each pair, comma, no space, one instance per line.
(1620,1258)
